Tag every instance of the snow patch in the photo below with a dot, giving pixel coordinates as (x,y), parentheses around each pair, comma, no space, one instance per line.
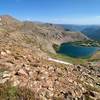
(59,61)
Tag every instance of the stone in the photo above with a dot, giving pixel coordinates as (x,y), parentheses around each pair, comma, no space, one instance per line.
(9,64)
(70,80)
(6,74)
(92,94)
(3,53)
(16,83)
(8,51)
(2,81)
(22,72)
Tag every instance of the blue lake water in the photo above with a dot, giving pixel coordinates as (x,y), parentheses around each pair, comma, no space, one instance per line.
(76,51)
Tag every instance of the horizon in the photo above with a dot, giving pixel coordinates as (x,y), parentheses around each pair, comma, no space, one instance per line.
(51,22)
(75,12)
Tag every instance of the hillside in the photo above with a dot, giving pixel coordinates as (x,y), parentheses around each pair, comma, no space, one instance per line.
(26,73)
(38,35)
(92,32)
(75,28)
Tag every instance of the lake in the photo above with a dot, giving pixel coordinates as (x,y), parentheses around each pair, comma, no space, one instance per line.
(76,51)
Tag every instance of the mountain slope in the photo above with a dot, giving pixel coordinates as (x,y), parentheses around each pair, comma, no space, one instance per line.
(26,73)
(35,35)
(76,28)
(93,33)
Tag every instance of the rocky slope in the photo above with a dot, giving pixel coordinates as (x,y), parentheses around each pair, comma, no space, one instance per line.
(26,73)
(46,80)
(37,35)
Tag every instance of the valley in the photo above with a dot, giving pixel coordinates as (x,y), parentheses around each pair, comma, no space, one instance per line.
(32,69)
(49,49)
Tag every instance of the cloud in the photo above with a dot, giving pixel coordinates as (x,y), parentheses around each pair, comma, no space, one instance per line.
(78,20)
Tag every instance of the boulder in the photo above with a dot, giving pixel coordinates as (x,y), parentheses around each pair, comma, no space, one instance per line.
(22,72)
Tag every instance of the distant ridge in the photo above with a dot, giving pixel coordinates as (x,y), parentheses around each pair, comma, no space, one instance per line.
(38,35)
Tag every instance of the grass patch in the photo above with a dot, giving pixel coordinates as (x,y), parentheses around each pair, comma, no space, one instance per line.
(87,43)
(56,47)
(96,56)
(68,59)
(8,92)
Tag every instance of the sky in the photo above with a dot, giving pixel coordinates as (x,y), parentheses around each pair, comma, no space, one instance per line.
(53,11)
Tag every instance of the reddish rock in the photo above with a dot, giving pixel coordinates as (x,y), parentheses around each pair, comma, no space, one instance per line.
(22,72)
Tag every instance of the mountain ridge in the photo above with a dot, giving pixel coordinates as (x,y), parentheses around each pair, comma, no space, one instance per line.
(29,72)
(42,35)
(93,33)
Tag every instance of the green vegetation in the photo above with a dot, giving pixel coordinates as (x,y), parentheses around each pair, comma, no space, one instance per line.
(56,47)
(87,43)
(68,59)
(74,60)
(95,57)
(8,92)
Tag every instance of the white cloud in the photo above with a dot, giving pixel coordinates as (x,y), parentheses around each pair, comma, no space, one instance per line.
(81,20)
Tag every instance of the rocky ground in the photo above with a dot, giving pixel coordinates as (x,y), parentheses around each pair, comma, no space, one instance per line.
(46,80)
(27,74)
